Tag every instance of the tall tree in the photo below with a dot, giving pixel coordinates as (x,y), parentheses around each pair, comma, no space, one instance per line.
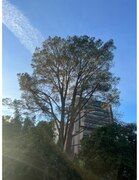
(67,73)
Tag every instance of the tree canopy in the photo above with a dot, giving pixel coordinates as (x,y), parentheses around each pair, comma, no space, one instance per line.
(66,71)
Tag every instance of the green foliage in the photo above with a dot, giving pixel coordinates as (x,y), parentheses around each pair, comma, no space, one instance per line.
(31,154)
(110,151)
(11,127)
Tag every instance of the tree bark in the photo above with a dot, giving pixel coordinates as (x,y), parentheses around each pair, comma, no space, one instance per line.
(68,141)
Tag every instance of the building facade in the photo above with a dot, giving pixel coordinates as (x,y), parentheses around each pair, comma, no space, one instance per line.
(94,114)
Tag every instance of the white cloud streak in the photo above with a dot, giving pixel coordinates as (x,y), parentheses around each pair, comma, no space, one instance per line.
(20,26)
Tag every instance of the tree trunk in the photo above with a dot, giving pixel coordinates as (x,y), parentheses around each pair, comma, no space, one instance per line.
(61,139)
(68,141)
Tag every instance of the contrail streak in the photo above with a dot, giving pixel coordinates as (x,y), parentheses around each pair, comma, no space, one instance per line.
(20,26)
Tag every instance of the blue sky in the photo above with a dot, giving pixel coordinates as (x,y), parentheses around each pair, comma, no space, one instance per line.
(104,19)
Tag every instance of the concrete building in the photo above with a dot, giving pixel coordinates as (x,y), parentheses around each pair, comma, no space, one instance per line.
(94,114)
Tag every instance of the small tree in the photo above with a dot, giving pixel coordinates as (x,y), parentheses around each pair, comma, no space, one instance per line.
(110,151)
(66,72)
